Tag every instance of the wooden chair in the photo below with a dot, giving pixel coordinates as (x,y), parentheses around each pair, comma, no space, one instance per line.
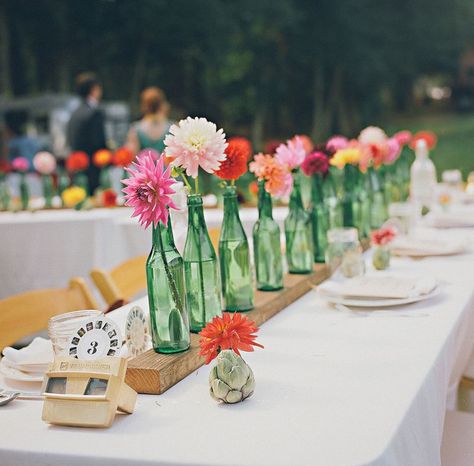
(27,313)
(457,447)
(123,282)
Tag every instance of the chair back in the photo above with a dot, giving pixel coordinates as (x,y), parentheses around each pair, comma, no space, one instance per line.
(27,313)
(123,282)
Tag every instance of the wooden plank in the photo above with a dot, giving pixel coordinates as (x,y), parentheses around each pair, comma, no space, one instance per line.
(154,373)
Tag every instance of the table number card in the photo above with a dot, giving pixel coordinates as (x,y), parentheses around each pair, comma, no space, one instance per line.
(137,334)
(95,339)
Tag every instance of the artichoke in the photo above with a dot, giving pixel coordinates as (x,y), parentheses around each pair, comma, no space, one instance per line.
(231,380)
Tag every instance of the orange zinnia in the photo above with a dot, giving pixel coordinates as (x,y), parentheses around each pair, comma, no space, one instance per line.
(123,157)
(102,158)
(428,136)
(235,164)
(77,162)
(231,331)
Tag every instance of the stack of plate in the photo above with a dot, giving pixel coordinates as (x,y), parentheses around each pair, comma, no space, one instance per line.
(424,247)
(28,364)
(378,291)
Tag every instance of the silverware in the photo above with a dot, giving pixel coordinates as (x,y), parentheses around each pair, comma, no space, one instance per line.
(9,395)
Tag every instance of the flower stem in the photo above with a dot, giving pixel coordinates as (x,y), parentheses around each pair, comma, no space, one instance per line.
(232,182)
(186,182)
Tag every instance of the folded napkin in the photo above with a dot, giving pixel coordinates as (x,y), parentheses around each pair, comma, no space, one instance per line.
(33,358)
(449,220)
(382,287)
(409,246)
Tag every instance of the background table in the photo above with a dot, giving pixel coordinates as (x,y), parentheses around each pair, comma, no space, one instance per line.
(332,388)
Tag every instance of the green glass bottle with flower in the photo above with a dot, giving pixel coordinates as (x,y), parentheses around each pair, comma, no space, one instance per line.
(193,144)
(21,165)
(271,176)
(76,165)
(149,190)
(5,197)
(45,165)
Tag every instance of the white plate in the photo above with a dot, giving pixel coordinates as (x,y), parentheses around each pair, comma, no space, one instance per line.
(19,376)
(333,299)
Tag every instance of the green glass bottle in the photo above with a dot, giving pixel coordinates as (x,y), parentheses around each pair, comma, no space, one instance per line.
(48,190)
(298,233)
(234,257)
(319,218)
(363,223)
(80,179)
(266,245)
(378,210)
(201,269)
(24,192)
(350,201)
(166,294)
(332,202)
(5,197)
(105,180)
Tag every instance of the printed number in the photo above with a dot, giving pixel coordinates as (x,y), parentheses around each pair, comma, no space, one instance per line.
(93,348)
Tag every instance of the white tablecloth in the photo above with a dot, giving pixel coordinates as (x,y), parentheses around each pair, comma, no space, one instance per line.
(334,388)
(46,248)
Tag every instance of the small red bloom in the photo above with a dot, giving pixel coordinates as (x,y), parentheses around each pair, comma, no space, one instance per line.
(253,187)
(231,331)
(428,136)
(235,164)
(5,167)
(316,162)
(243,143)
(77,162)
(383,236)
(123,157)
(109,198)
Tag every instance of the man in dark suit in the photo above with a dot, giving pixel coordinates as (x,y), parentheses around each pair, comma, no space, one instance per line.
(85,130)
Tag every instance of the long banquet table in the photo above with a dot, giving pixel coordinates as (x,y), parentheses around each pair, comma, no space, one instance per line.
(334,388)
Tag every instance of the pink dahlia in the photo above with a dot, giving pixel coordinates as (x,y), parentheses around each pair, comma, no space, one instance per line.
(307,142)
(403,137)
(20,164)
(292,153)
(194,143)
(277,177)
(44,163)
(393,151)
(337,143)
(148,189)
(316,162)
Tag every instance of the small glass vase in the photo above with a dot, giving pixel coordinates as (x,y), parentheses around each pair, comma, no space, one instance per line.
(24,192)
(381,257)
(378,209)
(166,294)
(350,201)
(266,245)
(298,234)
(105,180)
(5,197)
(234,258)
(201,269)
(332,202)
(48,190)
(319,219)
(345,252)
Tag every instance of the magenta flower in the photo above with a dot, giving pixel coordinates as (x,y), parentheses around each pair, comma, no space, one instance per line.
(393,151)
(20,164)
(337,143)
(292,153)
(148,189)
(403,137)
(316,162)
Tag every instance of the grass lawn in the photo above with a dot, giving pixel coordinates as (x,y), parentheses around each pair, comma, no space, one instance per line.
(455,133)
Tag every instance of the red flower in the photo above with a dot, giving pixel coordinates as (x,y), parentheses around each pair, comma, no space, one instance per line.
(235,164)
(102,158)
(123,157)
(244,144)
(316,162)
(253,187)
(231,331)
(5,167)
(271,146)
(428,136)
(383,236)
(77,162)
(109,198)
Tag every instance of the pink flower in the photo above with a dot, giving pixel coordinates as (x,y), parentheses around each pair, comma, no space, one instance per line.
(307,142)
(372,135)
(194,143)
(148,189)
(393,151)
(336,143)
(20,164)
(292,153)
(403,137)
(383,236)
(316,162)
(44,163)
(277,177)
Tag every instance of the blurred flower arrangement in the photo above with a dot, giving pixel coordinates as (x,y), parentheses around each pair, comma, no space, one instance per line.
(380,239)
(45,165)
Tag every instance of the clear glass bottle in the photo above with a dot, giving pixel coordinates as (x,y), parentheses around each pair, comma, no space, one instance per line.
(319,218)
(234,258)
(423,178)
(266,245)
(378,209)
(298,233)
(345,252)
(166,294)
(201,269)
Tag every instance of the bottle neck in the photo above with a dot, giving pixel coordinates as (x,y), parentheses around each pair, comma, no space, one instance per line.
(296,202)
(163,236)
(264,202)
(317,188)
(195,211)
(231,207)
(349,177)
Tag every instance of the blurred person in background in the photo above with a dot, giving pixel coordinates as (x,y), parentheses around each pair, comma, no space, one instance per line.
(86,131)
(17,143)
(150,131)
